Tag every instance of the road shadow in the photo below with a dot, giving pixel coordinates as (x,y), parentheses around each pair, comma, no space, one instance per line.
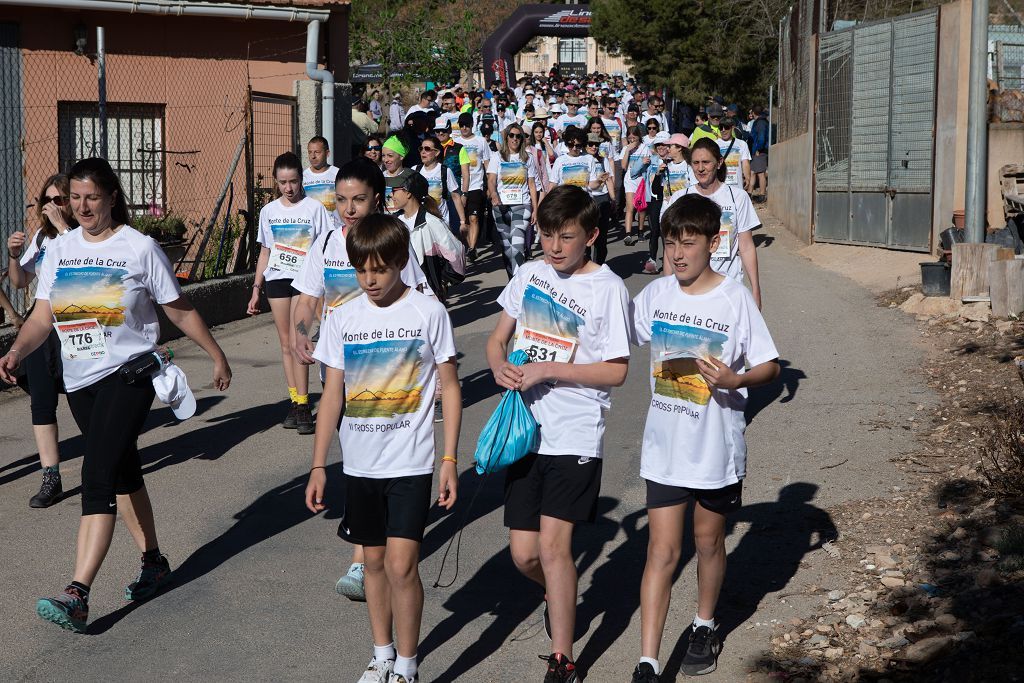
(763,396)
(274,512)
(498,590)
(768,556)
(478,386)
(478,496)
(628,265)
(469,305)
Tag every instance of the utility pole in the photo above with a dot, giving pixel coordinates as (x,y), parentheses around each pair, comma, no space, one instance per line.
(977,125)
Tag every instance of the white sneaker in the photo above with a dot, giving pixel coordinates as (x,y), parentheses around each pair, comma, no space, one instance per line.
(399,678)
(378,671)
(351,585)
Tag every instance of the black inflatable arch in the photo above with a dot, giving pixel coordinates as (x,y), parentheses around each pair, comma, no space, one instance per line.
(567,21)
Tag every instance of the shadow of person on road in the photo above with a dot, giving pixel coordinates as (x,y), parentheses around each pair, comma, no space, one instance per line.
(768,556)
(479,496)
(274,512)
(498,590)
(763,396)
(478,386)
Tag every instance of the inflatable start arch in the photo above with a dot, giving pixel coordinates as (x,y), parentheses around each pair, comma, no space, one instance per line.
(564,21)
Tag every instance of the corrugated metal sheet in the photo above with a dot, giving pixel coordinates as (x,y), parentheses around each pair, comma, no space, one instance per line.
(869,146)
(913,102)
(832,154)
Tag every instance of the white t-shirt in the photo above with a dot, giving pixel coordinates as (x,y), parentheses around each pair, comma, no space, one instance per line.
(614,128)
(35,251)
(289,231)
(660,117)
(452,116)
(512,178)
(603,165)
(416,107)
(327,272)
(694,434)
(677,177)
(105,290)
(564,121)
(320,186)
(436,189)
(479,153)
(738,216)
(389,356)
(733,160)
(588,311)
(579,171)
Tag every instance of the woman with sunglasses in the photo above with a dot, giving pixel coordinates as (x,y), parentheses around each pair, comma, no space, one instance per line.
(653,128)
(374,146)
(631,160)
(512,186)
(43,366)
(595,126)
(440,180)
(603,194)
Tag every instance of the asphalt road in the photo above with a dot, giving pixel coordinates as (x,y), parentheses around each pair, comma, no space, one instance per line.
(254,599)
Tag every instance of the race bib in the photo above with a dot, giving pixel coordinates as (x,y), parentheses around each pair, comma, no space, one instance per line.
(732,169)
(724,250)
(81,339)
(541,346)
(285,258)
(511,196)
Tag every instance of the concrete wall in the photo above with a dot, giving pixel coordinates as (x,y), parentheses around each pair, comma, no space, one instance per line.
(1005,146)
(951,114)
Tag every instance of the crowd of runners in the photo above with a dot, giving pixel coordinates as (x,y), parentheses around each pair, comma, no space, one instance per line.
(357,265)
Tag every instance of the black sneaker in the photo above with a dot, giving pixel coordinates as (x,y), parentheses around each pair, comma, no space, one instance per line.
(702,653)
(304,419)
(644,673)
(289,420)
(49,492)
(560,669)
(152,577)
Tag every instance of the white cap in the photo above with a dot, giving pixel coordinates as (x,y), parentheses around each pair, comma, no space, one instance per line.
(172,388)
(661,138)
(528,92)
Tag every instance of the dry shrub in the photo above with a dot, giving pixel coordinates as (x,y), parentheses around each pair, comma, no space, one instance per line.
(1002,453)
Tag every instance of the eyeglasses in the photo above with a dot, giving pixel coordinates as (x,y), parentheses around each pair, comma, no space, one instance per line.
(374,148)
(515,136)
(59,200)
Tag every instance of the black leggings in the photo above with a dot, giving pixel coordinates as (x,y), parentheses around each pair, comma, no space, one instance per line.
(654,225)
(110,414)
(604,222)
(42,370)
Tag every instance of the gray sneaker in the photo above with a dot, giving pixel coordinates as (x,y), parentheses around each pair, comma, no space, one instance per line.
(351,585)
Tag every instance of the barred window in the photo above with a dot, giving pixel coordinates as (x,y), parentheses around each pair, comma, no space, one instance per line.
(572,50)
(135,142)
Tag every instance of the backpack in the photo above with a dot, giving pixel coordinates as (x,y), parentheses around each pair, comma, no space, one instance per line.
(759,136)
(455,166)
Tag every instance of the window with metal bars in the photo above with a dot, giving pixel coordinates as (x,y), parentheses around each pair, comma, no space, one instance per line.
(135,143)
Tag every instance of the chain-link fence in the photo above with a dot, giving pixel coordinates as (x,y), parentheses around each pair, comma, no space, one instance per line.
(795,75)
(1008,68)
(179,132)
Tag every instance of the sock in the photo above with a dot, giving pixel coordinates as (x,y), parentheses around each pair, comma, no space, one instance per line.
(82,588)
(293,394)
(52,469)
(301,399)
(383,653)
(406,666)
(698,622)
(151,556)
(653,662)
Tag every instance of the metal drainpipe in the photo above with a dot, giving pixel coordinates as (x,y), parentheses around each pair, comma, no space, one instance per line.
(101,78)
(326,79)
(977,125)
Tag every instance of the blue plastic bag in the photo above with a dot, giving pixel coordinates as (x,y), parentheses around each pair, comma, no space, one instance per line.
(511,431)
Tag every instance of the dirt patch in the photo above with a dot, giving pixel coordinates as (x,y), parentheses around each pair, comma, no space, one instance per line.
(878,270)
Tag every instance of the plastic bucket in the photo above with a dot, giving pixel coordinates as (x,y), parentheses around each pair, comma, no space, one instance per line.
(935,278)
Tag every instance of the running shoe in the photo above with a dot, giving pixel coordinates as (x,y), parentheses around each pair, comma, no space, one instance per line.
(68,610)
(289,420)
(399,678)
(631,240)
(351,585)
(560,669)
(152,577)
(378,671)
(50,491)
(650,267)
(438,413)
(644,673)
(702,653)
(304,419)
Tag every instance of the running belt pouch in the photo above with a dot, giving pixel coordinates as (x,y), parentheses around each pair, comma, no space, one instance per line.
(510,432)
(640,198)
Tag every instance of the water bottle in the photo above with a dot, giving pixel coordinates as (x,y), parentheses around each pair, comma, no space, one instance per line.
(145,365)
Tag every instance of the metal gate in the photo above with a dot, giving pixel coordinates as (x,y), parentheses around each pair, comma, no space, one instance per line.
(273,131)
(874,134)
(13,198)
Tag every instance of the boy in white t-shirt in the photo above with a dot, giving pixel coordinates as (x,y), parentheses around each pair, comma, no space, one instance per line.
(571,317)
(703,328)
(385,352)
(318,179)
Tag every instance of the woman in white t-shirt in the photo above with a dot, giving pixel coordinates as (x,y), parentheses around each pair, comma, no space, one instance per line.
(512,187)
(440,180)
(630,160)
(736,252)
(43,366)
(288,227)
(97,287)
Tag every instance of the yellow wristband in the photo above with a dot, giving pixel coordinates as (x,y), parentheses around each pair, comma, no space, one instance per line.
(451,459)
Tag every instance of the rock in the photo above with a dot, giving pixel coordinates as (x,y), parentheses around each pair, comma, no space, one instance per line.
(987,578)
(949,556)
(959,534)
(877,550)
(892,582)
(817,640)
(947,620)
(833,652)
(856,620)
(895,573)
(893,643)
(823,628)
(927,650)
(911,304)
(867,650)
(869,596)
(885,561)
(1004,326)
(978,311)
(836,595)
(795,621)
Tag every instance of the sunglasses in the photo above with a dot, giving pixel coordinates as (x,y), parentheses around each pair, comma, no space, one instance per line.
(652,128)
(574,145)
(59,200)
(515,136)
(427,149)
(374,148)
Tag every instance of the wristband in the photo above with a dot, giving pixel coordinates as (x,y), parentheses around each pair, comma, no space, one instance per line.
(318,467)
(451,459)
(259,287)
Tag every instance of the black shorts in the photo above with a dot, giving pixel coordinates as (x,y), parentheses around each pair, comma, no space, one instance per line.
(379,509)
(723,501)
(561,486)
(475,203)
(280,289)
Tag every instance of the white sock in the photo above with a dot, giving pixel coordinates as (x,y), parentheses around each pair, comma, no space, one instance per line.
(698,622)
(406,666)
(384,652)
(653,662)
